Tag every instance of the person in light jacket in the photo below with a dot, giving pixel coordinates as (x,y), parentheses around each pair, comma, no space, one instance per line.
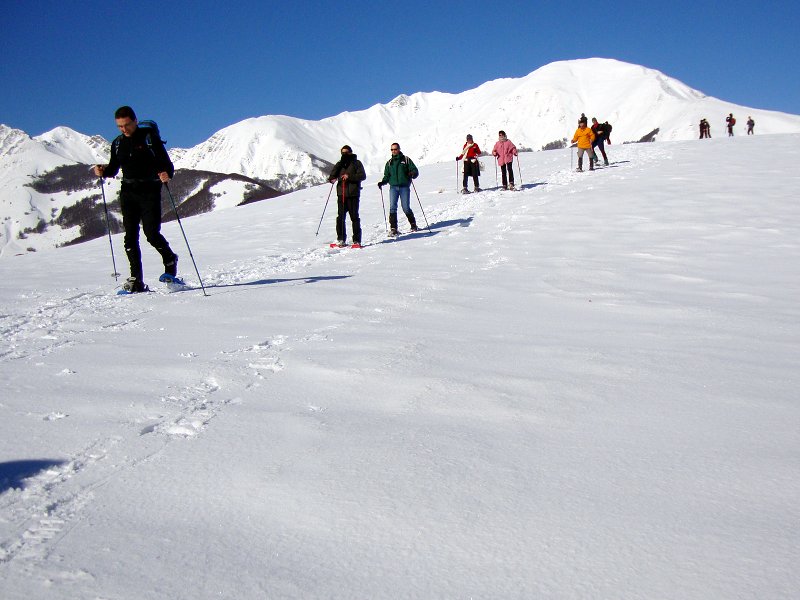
(584,137)
(505,151)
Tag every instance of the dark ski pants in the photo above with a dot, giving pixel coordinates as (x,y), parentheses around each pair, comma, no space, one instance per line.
(350,205)
(599,144)
(509,176)
(141,203)
(471,169)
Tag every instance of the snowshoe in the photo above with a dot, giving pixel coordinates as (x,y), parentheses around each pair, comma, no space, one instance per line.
(133,285)
(167,278)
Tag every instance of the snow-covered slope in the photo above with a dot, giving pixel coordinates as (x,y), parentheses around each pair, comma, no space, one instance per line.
(289,153)
(585,389)
(534,110)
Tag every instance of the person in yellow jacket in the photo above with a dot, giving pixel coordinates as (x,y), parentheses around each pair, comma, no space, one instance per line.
(584,136)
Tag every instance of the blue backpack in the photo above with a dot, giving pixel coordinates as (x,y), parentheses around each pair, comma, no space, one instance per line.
(152,135)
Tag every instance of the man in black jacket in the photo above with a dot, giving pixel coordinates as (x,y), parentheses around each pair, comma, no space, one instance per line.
(145,166)
(349,172)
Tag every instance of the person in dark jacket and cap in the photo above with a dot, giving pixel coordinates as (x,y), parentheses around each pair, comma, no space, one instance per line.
(348,173)
(145,167)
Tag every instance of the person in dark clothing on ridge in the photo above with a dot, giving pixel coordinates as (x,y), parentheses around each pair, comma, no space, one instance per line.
(750,125)
(145,167)
(398,173)
(349,173)
(731,121)
(599,137)
(705,129)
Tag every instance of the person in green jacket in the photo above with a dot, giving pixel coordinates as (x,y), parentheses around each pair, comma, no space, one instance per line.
(398,173)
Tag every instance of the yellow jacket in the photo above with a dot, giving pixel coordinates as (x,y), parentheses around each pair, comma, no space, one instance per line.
(584,136)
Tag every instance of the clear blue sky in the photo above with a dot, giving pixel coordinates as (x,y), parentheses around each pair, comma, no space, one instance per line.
(197,67)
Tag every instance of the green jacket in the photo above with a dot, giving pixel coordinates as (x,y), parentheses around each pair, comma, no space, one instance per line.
(399,170)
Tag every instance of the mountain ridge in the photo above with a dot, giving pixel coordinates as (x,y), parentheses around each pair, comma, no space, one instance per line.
(538,111)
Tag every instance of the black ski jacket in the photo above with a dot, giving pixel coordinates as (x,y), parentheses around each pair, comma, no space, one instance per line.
(141,159)
(355,175)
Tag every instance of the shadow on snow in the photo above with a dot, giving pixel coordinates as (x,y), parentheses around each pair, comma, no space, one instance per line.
(14,473)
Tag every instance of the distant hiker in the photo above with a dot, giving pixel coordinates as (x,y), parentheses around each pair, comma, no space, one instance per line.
(599,132)
(705,129)
(731,121)
(349,173)
(470,153)
(145,167)
(607,132)
(750,125)
(584,137)
(398,173)
(505,151)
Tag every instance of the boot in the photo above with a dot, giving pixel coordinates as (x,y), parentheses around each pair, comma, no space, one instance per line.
(392,224)
(412,221)
(591,163)
(171,268)
(580,164)
(134,285)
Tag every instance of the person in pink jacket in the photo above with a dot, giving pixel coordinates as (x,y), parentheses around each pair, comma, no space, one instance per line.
(505,151)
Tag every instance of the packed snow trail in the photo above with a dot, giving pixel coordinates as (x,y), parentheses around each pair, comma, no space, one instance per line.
(582,389)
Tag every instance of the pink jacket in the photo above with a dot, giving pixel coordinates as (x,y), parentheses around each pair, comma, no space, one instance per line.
(505,151)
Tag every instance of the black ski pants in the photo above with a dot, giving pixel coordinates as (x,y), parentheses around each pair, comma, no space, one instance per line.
(350,205)
(508,174)
(598,143)
(141,204)
(471,169)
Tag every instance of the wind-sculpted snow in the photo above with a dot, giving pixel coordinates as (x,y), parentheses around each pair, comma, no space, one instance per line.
(581,389)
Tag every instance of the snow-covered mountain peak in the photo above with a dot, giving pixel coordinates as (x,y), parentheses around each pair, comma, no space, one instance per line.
(75,146)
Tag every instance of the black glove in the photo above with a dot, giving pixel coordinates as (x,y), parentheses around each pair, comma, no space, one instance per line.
(381,184)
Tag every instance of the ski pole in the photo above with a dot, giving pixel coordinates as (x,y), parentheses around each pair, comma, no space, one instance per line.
(383,204)
(520,173)
(344,211)
(189,248)
(496,160)
(324,209)
(108,227)
(428,227)
(457,188)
